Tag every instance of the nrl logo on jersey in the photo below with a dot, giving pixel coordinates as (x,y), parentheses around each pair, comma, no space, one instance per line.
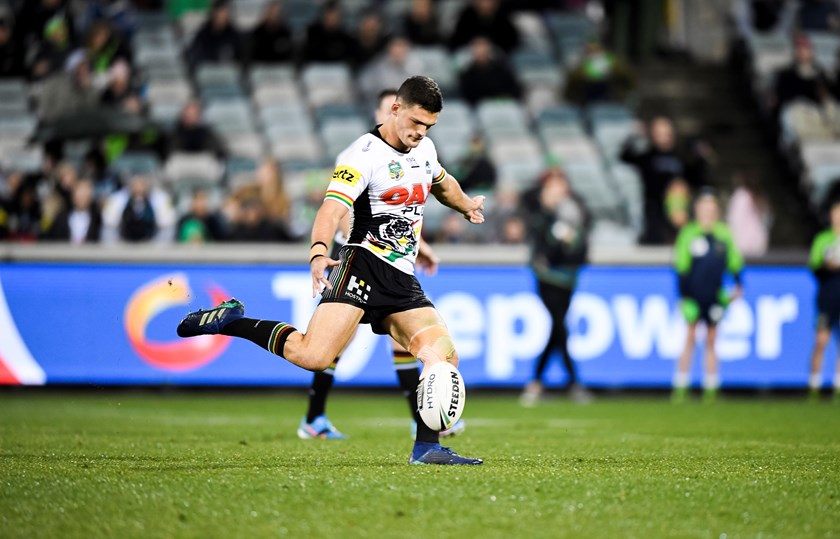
(395,170)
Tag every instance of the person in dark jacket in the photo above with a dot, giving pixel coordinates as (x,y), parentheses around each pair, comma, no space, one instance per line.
(660,164)
(488,76)
(326,39)
(421,24)
(803,78)
(557,223)
(485,18)
(825,263)
(217,40)
(11,53)
(192,135)
(271,40)
(80,223)
(138,221)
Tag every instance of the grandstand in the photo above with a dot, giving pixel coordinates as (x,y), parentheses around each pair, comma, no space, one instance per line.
(303,114)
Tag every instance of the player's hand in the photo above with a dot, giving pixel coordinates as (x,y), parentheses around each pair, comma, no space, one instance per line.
(427,261)
(319,267)
(473,213)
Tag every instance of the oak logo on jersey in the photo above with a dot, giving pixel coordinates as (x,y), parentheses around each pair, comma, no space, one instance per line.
(393,233)
(346,174)
(401,195)
(395,170)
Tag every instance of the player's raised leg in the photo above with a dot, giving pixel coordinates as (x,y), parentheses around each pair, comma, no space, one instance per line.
(423,333)
(330,329)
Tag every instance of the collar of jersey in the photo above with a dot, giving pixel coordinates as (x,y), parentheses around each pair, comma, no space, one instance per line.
(375,132)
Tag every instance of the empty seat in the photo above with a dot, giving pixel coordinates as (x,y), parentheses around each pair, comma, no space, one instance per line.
(23,159)
(166,114)
(17,126)
(327,83)
(515,149)
(136,163)
(502,118)
(339,133)
(168,92)
(249,145)
(217,75)
(196,169)
(608,112)
(306,148)
(436,64)
(277,93)
(518,176)
(573,150)
(821,178)
(230,117)
(263,75)
(611,136)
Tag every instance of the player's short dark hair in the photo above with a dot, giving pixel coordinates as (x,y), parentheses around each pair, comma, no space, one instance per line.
(421,91)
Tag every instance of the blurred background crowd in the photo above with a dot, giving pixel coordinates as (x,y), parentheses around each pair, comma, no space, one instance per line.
(200,121)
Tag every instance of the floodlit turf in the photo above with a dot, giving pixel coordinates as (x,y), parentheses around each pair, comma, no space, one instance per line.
(140,465)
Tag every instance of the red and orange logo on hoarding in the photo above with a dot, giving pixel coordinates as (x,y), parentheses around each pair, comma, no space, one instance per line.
(176,355)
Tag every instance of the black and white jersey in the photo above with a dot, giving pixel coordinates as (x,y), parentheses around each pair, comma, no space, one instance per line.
(386,190)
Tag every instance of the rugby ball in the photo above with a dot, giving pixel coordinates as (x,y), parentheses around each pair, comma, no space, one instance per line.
(441,396)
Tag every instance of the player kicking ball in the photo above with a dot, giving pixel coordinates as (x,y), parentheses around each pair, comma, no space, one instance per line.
(385,177)
(315,425)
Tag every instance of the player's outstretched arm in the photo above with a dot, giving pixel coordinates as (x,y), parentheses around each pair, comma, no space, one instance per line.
(450,194)
(323,230)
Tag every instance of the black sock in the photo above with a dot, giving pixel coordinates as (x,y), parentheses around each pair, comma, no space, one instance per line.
(319,390)
(424,433)
(265,333)
(405,364)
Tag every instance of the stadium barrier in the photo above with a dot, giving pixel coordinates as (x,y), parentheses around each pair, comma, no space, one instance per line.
(108,316)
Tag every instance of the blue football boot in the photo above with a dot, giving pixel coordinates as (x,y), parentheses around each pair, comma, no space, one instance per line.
(429,453)
(213,321)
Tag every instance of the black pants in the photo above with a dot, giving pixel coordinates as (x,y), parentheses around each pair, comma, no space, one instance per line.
(556,300)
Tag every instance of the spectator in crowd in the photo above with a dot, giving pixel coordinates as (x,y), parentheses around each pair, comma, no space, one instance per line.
(52,52)
(69,92)
(201,224)
(271,40)
(370,38)
(252,224)
(269,222)
(677,203)
(705,250)
(452,229)
(748,215)
(23,220)
(599,76)
(390,69)
(217,40)
(421,24)
(11,53)
(487,76)
(79,222)
(105,48)
(513,230)
(485,18)
(119,13)
(818,16)
(803,79)
(326,39)
(192,135)
(557,224)
(763,16)
(120,94)
(825,263)
(95,167)
(138,212)
(659,164)
(475,171)
(32,18)
(64,183)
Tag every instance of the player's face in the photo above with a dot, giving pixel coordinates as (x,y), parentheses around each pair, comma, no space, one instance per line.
(413,123)
(706,210)
(384,110)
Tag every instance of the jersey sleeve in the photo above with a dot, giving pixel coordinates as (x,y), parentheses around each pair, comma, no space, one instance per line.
(438,172)
(350,177)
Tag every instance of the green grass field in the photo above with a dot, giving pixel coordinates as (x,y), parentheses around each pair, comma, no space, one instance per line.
(196,465)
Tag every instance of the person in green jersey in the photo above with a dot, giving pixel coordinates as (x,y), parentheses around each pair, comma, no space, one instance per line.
(825,263)
(704,252)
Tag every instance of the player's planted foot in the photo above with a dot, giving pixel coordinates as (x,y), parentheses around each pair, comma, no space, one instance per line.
(679,395)
(580,394)
(710,396)
(320,428)
(211,322)
(814,394)
(454,430)
(431,453)
(531,394)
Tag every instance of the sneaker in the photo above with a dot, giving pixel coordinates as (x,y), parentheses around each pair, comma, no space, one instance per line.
(813,394)
(454,430)
(428,453)
(580,394)
(531,394)
(710,396)
(679,395)
(213,321)
(320,428)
